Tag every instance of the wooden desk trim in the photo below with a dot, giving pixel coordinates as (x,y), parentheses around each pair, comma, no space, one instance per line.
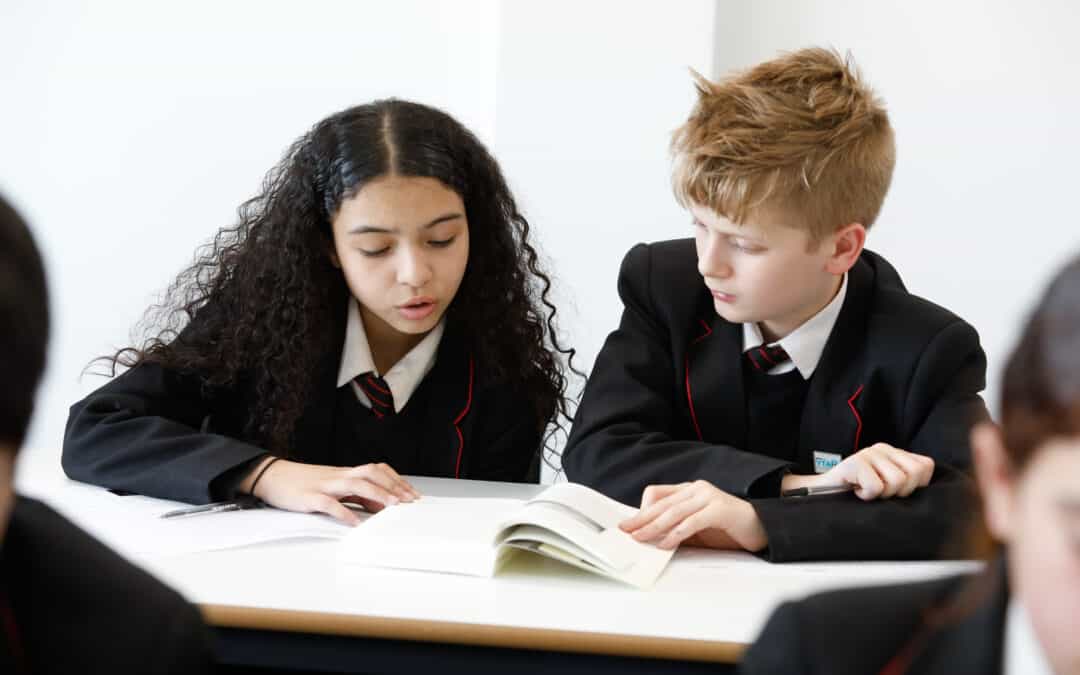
(486,635)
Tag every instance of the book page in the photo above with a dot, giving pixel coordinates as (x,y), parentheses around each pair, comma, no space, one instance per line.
(436,534)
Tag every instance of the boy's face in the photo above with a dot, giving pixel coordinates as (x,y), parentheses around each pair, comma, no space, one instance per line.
(763,271)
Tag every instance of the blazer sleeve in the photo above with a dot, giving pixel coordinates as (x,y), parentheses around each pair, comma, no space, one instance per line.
(149,431)
(942,404)
(506,439)
(778,650)
(624,434)
(943,401)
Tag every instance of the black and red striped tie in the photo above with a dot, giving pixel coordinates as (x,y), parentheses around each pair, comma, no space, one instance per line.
(766,357)
(378,392)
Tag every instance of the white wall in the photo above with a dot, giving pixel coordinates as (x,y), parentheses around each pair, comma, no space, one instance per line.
(131,131)
(589,93)
(983,96)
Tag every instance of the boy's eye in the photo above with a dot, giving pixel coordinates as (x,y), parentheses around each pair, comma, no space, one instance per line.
(745,247)
(696,223)
(442,243)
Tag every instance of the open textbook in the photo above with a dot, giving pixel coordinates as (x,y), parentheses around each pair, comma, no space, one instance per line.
(567,522)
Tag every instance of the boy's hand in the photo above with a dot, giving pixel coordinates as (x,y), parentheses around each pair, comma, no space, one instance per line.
(314,488)
(877,472)
(696,513)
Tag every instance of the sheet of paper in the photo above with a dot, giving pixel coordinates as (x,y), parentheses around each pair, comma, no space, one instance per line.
(134,527)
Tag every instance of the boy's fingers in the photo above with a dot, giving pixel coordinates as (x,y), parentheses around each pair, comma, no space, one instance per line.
(668,519)
(892,476)
(915,471)
(869,483)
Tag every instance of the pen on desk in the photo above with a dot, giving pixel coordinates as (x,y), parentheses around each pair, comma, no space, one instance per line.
(818,490)
(214,507)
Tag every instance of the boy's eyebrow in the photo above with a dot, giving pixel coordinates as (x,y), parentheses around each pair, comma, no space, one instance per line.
(365,229)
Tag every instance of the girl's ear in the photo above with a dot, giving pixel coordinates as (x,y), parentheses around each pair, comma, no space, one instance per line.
(332,254)
(995,477)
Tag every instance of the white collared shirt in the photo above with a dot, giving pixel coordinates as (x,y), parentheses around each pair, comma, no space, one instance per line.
(1023,654)
(806,343)
(403,377)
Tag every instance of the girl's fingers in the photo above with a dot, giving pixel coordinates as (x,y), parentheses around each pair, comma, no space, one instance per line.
(333,508)
(404,488)
(365,488)
(376,475)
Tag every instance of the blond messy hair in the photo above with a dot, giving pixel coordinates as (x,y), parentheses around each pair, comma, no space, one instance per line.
(800,135)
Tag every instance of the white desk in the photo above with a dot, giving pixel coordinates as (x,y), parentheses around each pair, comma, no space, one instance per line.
(706,607)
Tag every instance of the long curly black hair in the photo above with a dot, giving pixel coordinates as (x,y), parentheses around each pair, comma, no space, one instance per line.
(260,304)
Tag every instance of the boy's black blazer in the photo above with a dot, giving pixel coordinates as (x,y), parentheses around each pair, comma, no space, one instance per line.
(156,432)
(665,404)
(940,627)
(80,608)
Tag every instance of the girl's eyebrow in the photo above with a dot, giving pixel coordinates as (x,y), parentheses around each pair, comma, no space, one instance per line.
(365,229)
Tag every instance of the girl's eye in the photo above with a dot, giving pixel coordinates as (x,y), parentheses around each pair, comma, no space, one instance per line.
(442,243)
(696,223)
(375,253)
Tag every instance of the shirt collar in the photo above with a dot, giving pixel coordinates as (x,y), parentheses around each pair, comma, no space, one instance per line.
(806,343)
(404,376)
(1023,653)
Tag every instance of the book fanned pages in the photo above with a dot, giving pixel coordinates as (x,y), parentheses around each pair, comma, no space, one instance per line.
(568,522)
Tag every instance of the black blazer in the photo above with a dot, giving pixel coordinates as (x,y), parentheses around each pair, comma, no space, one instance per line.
(945,626)
(80,608)
(156,432)
(665,404)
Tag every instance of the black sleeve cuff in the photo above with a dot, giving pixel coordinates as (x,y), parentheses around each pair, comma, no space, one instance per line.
(227,485)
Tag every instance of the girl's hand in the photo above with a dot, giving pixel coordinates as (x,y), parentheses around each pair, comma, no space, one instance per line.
(314,488)
(697,513)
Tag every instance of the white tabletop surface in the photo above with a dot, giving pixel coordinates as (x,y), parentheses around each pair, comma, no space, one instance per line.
(703,595)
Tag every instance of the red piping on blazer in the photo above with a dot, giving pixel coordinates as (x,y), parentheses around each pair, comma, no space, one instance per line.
(690,396)
(457,420)
(858,419)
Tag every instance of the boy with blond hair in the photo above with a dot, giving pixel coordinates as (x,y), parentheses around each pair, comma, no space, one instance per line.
(772,354)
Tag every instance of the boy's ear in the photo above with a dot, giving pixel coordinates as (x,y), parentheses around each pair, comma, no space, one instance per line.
(846,244)
(994,474)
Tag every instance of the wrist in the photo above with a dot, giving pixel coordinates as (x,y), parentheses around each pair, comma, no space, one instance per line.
(795,481)
(256,475)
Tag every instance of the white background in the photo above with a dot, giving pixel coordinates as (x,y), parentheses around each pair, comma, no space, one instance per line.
(129,133)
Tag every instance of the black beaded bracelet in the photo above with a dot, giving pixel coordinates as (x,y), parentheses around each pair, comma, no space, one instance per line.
(261,472)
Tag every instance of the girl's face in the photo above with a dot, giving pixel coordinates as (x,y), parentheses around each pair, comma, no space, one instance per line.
(1036,513)
(402,243)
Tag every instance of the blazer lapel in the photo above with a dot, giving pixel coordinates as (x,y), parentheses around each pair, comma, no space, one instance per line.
(832,419)
(711,382)
(449,405)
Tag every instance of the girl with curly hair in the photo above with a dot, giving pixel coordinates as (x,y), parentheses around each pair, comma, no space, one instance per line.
(378,310)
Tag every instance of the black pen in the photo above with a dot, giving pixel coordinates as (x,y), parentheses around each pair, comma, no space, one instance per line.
(215,507)
(818,490)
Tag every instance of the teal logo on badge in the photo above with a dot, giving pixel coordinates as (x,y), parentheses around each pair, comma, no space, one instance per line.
(823,461)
